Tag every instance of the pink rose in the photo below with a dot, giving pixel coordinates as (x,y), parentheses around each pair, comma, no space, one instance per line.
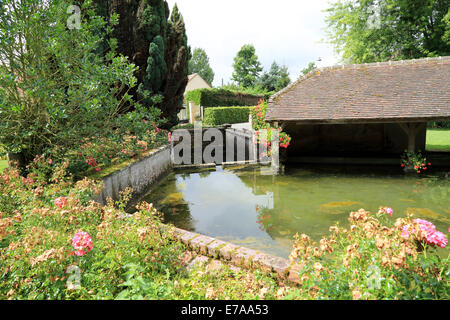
(389,211)
(60,202)
(82,242)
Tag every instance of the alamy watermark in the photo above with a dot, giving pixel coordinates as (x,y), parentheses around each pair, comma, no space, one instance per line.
(74,280)
(374,20)
(74,21)
(373,277)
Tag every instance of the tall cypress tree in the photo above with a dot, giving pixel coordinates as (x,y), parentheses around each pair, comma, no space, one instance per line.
(177,56)
(158,46)
(151,26)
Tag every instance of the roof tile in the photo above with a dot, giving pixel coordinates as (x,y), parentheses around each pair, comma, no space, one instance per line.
(400,90)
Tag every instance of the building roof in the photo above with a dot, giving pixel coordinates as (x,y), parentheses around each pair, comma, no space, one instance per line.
(409,90)
(192,76)
(195,81)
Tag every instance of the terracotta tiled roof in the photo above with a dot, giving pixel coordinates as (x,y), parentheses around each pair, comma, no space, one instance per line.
(414,90)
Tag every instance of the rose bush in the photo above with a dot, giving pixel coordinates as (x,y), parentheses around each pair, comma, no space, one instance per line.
(264,130)
(416,161)
(52,236)
(374,259)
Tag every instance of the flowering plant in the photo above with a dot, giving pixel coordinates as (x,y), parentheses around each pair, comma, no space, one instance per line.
(285,140)
(384,210)
(60,202)
(96,153)
(374,258)
(264,129)
(416,161)
(424,232)
(82,242)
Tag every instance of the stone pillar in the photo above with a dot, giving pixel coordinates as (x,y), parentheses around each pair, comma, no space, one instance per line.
(191,112)
(253,147)
(172,154)
(275,149)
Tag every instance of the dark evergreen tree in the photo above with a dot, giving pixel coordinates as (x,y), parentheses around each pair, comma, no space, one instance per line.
(276,79)
(177,55)
(157,45)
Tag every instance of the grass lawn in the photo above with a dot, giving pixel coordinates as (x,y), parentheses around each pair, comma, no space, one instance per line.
(438,140)
(3,165)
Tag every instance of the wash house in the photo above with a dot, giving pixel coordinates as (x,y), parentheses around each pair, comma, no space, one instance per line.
(364,110)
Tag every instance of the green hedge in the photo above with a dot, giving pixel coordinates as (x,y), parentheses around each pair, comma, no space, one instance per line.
(222,115)
(439,124)
(221,98)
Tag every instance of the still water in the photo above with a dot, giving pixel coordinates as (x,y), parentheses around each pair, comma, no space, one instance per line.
(249,206)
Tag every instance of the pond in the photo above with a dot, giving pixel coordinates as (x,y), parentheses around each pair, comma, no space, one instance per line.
(249,206)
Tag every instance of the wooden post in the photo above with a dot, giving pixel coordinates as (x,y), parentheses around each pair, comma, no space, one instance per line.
(411,129)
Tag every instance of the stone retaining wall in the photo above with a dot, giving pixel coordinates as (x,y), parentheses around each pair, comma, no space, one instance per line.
(140,175)
(239,256)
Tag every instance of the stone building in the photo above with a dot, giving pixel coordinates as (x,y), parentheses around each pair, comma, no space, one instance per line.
(195,81)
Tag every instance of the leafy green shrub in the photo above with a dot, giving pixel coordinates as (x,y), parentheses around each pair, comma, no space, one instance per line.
(221,98)
(97,153)
(256,91)
(66,91)
(438,124)
(221,115)
(2,153)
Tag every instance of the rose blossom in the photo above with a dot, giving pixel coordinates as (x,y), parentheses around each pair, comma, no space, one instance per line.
(60,202)
(425,231)
(82,242)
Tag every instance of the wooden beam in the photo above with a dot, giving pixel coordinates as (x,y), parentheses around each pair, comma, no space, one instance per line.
(411,130)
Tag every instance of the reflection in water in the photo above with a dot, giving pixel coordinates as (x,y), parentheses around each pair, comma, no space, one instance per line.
(249,207)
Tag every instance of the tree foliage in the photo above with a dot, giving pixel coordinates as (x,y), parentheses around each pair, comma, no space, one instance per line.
(374,30)
(156,42)
(275,79)
(311,66)
(247,67)
(55,89)
(177,55)
(199,63)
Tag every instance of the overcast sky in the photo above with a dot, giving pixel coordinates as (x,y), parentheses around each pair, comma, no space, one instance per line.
(286,31)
